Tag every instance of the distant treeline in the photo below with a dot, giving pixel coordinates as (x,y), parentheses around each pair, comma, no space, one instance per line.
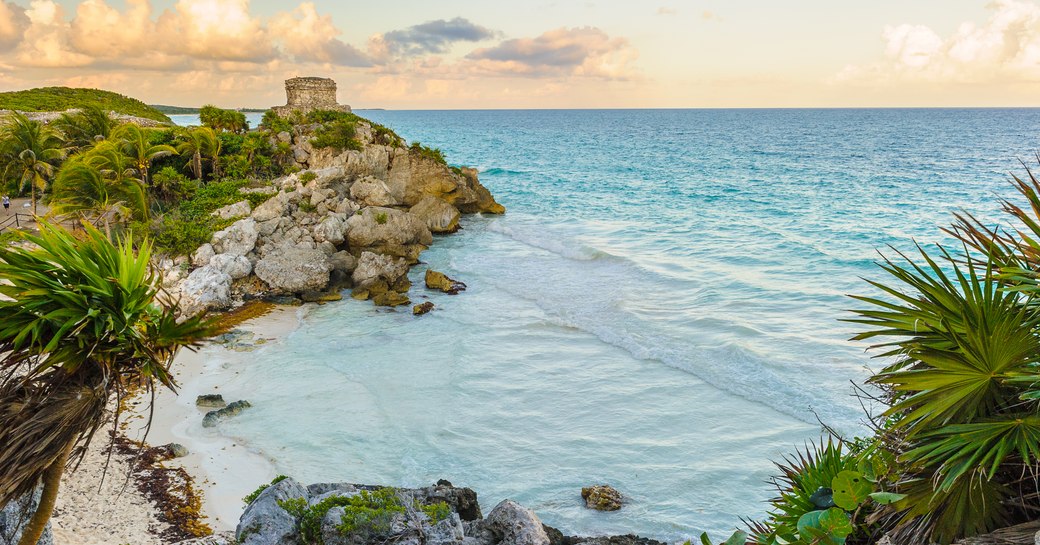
(181,110)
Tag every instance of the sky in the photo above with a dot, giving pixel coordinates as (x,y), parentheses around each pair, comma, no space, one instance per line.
(461,54)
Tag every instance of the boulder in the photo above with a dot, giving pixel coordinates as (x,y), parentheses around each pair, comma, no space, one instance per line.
(272,208)
(439,216)
(331,229)
(372,268)
(514,524)
(202,256)
(481,199)
(206,288)
(601,498)
(388,231)
(264,522)
(440,281)
(176,450)
(16,514)
(235,266)
(422,308)
(343,261)
(233,409)
(371,191)
(240,209)
(294,270)
(390,298)
(237,239)
(210,400)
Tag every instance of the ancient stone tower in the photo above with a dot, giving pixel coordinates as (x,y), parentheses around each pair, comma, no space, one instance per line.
(307,94)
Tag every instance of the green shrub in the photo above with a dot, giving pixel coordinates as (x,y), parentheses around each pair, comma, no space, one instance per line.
(427,152)
(308,176)
(256,493)
(272,122)
(339,135)
(381,218)
(191,224)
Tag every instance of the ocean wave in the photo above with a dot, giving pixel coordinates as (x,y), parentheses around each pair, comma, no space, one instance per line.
(496,171)
(551,243)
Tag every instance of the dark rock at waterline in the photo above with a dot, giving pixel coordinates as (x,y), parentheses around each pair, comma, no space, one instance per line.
(215,401)
(232,409)
(422,308)
(440,281)
(601,498)
(176,450)
(267,522)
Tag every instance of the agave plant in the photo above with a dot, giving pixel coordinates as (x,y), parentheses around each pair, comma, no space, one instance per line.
(79,324)
(963,330)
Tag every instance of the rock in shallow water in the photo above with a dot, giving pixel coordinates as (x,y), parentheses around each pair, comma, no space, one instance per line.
(601,498)
(422,308)
(210,400)
(440,281)
(213,417)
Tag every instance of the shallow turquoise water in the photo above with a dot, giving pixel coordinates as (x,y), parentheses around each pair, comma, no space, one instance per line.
(658,310)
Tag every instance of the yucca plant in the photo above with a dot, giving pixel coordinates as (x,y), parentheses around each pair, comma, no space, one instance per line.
(966,351)
(79,325)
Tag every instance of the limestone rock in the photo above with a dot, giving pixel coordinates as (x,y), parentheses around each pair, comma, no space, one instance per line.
(388,231)
(206,288)
(516,525)
(16,513)
(210,400)
(422,308)
(238,239)
(412,177)
(240,209)
(264,522)
(601,498)
(272,208)
(439,216)
(294,270)
(235,266)
(202,256)
(439,281)
(331,229)
(343,261)
(233,409)
(390,298)
(371,268)
(176,450)
(372,192)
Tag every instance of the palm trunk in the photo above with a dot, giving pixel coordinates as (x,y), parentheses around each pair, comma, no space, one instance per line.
(197,163)
(51,481)
(32,191)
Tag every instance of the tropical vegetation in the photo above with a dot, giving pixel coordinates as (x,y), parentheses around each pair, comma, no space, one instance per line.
(59,99)
(80,326)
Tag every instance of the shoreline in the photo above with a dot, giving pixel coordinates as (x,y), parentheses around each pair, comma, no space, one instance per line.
(224,470)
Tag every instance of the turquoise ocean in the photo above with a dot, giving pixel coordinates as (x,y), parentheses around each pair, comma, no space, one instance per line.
(658,310)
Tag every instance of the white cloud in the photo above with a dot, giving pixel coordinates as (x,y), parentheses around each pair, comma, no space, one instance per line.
(1004,48)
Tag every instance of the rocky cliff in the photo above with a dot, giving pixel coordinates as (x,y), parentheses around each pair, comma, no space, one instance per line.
(354,218)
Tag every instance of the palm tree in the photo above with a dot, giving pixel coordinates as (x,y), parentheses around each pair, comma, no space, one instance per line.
(134,143)
(83,128)
(79,322)
(197,144)
(29,149)
(81,189)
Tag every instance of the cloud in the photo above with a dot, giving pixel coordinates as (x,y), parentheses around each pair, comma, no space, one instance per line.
(434,36)
(311,37)
(665,10)
(1005,48)
(586,51)
(13,22)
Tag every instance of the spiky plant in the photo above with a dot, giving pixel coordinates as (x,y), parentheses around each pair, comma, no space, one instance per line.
(966,352)
(79,324)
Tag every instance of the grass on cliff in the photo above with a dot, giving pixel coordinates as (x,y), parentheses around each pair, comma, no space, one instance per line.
(57,99)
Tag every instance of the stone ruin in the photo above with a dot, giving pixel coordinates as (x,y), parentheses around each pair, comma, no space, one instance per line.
(308,94)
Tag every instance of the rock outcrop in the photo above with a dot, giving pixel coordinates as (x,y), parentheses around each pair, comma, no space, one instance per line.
(309,238)
(234,408)
(352,514)
(15,515)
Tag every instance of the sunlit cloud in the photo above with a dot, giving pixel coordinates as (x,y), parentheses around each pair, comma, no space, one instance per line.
(1005,48)
(586,51)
